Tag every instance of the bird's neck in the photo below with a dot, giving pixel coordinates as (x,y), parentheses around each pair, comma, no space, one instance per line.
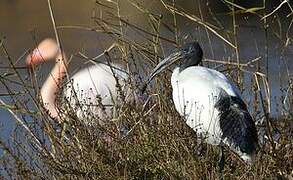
(52,85)
(189,63)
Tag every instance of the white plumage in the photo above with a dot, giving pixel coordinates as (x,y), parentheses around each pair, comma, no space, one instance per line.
(195,92)
(94,89)
(210,103)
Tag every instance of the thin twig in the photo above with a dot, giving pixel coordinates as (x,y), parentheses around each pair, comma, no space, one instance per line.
(197,20)
(57,37)
(271,13)
(36,140)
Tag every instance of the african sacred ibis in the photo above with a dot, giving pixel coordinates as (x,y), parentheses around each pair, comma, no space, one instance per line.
(210,103)
(84,87)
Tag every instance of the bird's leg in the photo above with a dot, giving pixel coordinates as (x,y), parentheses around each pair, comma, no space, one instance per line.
(221,162)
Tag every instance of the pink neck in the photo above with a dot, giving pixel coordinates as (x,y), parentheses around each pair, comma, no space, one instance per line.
(52,85)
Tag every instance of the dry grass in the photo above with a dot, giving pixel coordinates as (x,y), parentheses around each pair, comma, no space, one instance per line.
(159,145)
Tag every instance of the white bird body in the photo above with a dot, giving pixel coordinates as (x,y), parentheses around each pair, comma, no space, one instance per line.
(196,90)
(210,103)
(94,89)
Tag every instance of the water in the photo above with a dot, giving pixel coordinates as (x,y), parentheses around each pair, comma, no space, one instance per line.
(23,23)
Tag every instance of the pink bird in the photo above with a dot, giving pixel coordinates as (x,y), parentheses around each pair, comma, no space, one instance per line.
(85,87)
